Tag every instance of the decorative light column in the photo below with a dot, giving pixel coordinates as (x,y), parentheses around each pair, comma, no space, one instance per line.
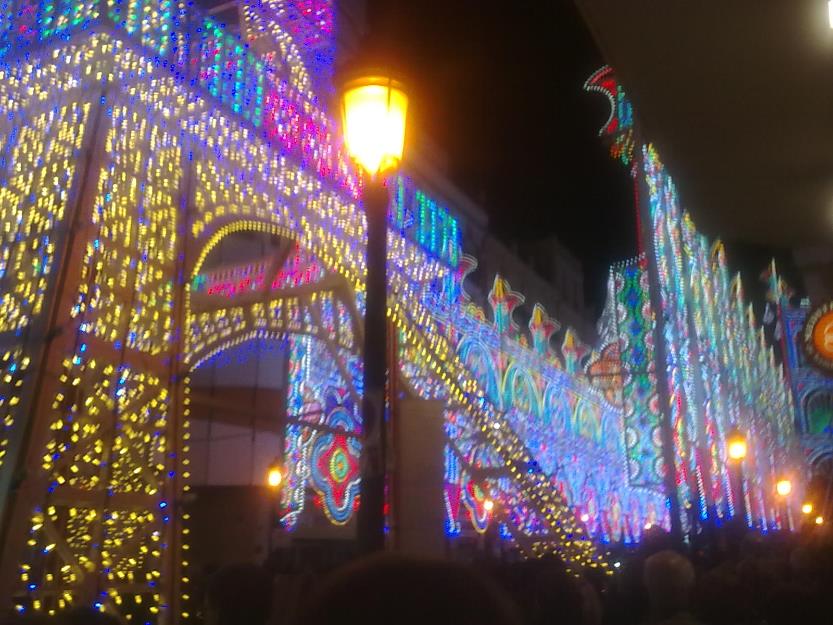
(374,108)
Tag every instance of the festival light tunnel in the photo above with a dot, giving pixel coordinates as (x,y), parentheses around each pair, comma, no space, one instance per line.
(142,141)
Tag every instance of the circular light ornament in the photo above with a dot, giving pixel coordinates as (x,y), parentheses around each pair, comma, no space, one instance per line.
(817,337)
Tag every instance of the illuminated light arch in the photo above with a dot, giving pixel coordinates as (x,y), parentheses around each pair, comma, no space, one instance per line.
(480,361)
(557,411)
(587,419)
(223,322)
(520,392)
(818,410)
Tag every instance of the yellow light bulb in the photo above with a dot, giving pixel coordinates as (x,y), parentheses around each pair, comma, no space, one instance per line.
(783,487)
(374,111)
(274,476)
(737,449)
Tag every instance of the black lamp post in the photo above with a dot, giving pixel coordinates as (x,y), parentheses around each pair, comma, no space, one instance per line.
(374,109)
(736,449)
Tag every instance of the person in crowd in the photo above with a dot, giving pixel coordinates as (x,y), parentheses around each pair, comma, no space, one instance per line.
(387,588)
(239,594)
(669,579)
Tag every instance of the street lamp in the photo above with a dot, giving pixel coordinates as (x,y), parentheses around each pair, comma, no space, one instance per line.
(274,480)
(374,108)
(807,508)
(736,448)
(784,487)
(274,475)
(737,445)
(374,111)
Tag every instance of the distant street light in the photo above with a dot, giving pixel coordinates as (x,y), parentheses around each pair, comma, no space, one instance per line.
(783,487)
(736,448)
(274,480)
(819,520)
(737,445)
(807,508)
(374,109)
(274,475)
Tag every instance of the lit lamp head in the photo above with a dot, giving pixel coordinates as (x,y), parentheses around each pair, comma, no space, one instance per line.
(374,109)
(807,508)
(736,444)
(274,475)
(488,505)
(783,487)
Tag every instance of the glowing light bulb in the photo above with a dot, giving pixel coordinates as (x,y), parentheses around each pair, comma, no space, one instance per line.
(783,487)
(737,449)
(585,517)
(488,505)
(819,520)
(807,508)
(274,476)
(374,112)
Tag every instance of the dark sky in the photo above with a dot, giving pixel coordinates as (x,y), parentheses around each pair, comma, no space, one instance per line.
(498,86)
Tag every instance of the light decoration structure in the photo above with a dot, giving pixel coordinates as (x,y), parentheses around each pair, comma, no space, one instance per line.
(720,372)
(812,390)
(136,136)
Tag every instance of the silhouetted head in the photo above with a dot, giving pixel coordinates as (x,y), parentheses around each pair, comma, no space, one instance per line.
(237,594)
(387,589)
(669,579)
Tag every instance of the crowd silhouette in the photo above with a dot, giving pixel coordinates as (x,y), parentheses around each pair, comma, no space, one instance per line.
(723,576)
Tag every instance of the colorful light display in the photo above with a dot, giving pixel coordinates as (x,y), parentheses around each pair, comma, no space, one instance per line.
(720,372)
(136,136)
(812,390)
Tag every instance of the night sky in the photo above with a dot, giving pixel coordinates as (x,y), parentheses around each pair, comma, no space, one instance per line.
(498,87)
